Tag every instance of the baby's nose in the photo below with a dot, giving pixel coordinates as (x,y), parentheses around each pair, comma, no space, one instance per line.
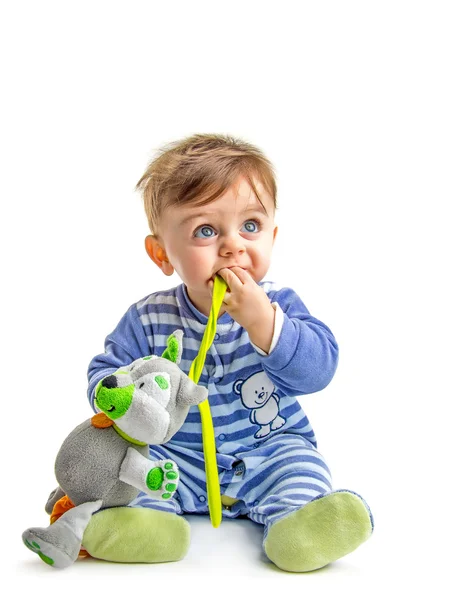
(232,245)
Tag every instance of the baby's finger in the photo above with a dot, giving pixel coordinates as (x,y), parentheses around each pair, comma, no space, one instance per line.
(230,279)
(242,274)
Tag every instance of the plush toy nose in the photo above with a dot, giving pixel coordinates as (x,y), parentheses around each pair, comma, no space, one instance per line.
(110,382)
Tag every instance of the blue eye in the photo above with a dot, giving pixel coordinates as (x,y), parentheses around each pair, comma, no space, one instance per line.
(204,232)
(251,227)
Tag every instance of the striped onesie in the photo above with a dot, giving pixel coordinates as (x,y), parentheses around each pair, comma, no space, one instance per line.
(267,454)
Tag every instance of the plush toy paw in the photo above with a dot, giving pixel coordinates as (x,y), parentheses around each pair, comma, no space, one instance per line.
(47,551)
(31,543)
(162,480)
(58,545)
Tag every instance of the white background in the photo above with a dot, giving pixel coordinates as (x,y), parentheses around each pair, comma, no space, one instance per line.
(361,107)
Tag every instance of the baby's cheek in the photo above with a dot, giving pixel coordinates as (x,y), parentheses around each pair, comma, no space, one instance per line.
(261,263)
(186,265)
(199,265)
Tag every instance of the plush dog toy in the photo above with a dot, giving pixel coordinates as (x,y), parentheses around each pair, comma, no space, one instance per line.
(104,461)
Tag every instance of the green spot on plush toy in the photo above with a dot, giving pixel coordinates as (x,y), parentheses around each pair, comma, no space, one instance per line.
(161,381)
(105,462)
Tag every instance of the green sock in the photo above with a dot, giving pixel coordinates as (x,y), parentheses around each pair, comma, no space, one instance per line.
(131,535)
(319,533)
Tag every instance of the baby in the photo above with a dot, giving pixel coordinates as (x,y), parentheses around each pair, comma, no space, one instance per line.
(210,201)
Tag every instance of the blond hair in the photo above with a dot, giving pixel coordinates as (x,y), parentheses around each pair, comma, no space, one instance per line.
(198,170)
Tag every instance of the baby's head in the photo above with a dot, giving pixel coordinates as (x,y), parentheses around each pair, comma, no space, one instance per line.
(210,201)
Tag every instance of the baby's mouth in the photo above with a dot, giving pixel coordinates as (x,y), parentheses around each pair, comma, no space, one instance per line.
(213,283)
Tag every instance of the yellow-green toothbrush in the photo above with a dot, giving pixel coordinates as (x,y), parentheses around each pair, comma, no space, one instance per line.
(208,436)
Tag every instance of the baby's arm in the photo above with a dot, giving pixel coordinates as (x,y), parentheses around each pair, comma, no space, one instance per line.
(304,355)
(124,345)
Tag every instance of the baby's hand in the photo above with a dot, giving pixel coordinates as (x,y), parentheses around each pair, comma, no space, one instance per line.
(248,304)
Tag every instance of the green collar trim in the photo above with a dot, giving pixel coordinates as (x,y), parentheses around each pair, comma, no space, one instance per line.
(126,437)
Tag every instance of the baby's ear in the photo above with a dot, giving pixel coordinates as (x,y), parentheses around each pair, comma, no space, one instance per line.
(157,254)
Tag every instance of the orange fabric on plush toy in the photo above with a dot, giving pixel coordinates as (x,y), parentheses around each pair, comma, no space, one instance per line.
(101,421)
(60,508)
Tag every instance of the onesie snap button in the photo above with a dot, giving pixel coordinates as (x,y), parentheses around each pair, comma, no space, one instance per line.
(222,436)
(217,337)
(201,498)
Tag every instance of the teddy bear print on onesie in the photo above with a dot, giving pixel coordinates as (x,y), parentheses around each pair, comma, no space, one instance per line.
(257,393)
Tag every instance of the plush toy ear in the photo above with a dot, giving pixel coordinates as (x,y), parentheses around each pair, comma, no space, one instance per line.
(190,393)
(174,347)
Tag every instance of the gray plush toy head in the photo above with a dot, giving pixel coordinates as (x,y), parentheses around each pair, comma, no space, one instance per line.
(150,398)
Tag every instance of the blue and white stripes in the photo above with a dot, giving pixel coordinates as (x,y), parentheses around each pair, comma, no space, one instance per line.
(270,481)
(266,447)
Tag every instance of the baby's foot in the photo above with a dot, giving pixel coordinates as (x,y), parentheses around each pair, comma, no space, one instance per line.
(162,480)
(137,535)
(319,533)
